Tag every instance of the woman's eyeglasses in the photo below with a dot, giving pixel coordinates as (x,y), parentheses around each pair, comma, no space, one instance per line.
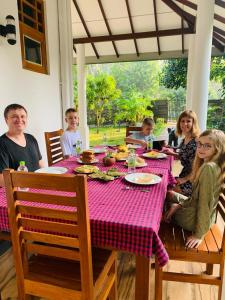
(204,146)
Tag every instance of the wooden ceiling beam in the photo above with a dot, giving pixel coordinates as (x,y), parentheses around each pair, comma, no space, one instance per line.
(192,19)
(219,37)
(218,30)
(220,3)
(189,18)
(188,3)
(130,36)
(132,26)
(107,26)
(85,26)
(195,7)
(218,45)
(156,25)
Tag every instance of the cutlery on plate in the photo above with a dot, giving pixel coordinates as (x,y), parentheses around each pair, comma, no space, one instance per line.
(129,188)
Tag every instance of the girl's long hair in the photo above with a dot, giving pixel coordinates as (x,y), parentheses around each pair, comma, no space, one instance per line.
(218,139)
(195,131)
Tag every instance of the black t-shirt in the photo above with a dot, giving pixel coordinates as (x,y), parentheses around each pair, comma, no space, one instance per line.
(11,153)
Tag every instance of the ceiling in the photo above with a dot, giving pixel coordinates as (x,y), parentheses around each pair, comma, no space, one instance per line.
(128,30)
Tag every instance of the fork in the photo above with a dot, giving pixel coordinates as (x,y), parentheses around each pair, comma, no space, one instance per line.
(129,188)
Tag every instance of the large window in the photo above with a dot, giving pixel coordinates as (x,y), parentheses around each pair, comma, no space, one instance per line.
(32,35)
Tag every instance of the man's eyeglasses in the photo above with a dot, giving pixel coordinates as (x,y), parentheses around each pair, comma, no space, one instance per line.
(204,146)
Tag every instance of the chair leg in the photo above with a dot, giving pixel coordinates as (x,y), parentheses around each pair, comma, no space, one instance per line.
(209,269)
(158,281)
(113,293)
(221,283)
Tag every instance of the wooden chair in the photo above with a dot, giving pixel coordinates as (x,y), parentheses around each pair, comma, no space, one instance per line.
(211,251)
(53,146)
(52,245)
(129,129)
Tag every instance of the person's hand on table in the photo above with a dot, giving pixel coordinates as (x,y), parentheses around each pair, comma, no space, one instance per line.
(168,215)
(193,242)
(143,144)
(180,181)
(168,151)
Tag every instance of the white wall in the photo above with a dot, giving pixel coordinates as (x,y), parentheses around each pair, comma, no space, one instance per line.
(39,93)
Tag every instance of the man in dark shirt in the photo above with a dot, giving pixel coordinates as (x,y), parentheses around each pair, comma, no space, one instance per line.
(15,145)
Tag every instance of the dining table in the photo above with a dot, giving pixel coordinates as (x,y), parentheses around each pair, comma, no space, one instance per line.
(123,216)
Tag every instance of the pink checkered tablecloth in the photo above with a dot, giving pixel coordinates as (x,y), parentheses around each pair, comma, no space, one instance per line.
(127,220)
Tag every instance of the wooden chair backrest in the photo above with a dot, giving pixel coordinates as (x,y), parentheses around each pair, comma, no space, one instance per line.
(53,146)
(221,213)
(57,226)
(129,129)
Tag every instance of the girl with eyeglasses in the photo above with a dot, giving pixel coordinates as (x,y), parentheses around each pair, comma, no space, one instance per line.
(187,127)
(198,212)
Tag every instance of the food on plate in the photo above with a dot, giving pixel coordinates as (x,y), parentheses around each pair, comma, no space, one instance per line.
(152,154)
(121,155)
(139,162)
(110,175)
(101,176)
(86,169)
(87,156)
(109,160)
(144,179)
(115,172)
(122,148)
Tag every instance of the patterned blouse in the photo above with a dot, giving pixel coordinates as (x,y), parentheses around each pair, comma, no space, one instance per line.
(186,156)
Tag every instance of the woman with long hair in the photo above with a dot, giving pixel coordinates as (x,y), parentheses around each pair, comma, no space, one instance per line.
(187,127)
(198,212)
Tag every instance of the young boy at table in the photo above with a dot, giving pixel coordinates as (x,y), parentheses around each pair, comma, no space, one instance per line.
(198,212)
(141,137)
(15,145)
(71,135)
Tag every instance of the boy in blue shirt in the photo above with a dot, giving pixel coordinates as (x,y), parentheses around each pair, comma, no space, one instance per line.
(142,137)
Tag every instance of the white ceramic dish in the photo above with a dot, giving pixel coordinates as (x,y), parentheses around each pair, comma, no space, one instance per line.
(143,178)
(98,150)
(159,156)
(90,163)
(134,146)
(52,170)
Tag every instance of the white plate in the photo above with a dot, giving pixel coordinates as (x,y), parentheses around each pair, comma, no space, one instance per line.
(52,170)
(85,163)
(98,150)
(133,146)
(159,156)
(143,178)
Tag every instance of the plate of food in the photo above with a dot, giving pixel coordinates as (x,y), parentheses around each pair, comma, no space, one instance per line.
(134,146)
(109,175)
(101,176)
(143,178)
(52,170)
(121,156)
(122,148)
(98,150)
(139,163)
(87,158)
(86,169)
(154,155)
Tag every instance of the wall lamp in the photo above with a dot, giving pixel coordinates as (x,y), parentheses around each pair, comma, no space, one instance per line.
(9,30)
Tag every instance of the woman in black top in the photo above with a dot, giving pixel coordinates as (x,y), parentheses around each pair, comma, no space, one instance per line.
(187,126)
(15,145)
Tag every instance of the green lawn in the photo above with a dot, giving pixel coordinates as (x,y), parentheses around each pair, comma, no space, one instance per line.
(115,136)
